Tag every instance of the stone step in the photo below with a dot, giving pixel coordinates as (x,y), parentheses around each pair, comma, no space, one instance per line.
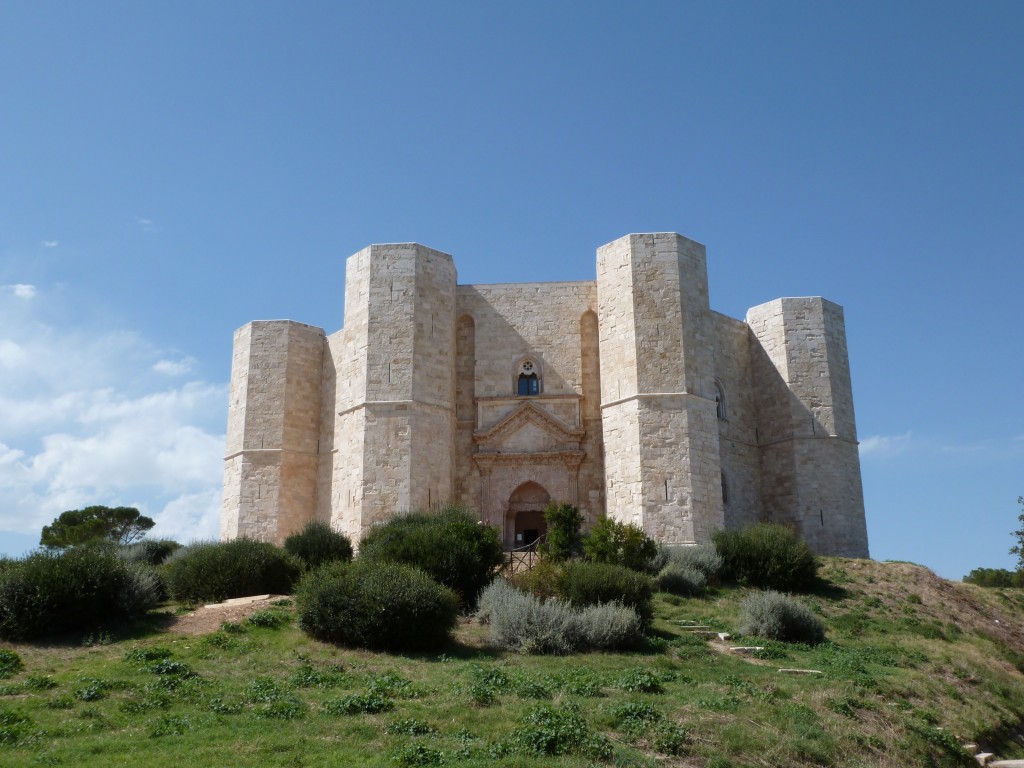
(747,649)
(787,671)
(1006,764)
(983,758)
(240,601)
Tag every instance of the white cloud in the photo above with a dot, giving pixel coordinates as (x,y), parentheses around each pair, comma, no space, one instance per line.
(146,225)
(11,354)
(21,290)
(189,517)
(88,418)
(50,243)
(174,368)
(885,445)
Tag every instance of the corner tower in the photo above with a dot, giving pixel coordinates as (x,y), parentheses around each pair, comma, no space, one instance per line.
(394,415)
(807,436)
(270,466)
(662,466)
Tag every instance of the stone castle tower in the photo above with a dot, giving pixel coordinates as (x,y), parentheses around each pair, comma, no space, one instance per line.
(626,396)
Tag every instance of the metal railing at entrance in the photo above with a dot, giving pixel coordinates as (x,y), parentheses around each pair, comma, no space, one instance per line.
(523,558)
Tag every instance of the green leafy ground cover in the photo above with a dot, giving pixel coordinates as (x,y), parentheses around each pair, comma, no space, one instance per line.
(913,667)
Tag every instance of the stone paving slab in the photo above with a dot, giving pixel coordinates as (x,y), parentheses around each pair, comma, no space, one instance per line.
(240,601)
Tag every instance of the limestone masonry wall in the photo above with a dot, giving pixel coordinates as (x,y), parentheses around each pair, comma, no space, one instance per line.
(625,395)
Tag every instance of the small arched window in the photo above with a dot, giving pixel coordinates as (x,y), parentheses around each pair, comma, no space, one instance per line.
(720,402)
(529,380)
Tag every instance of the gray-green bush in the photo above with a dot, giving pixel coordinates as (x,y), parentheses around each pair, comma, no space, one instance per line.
(379,605)
(149,551)
(681,580)
(776,616)
(699,557)
(519,621)
(215,570)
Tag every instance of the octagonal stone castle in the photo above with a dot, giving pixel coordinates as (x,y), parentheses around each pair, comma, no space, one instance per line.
(625,395)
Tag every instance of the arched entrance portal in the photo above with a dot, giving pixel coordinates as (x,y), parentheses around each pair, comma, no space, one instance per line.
(524,521)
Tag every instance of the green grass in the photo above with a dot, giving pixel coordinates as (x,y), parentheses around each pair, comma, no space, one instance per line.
(896,690)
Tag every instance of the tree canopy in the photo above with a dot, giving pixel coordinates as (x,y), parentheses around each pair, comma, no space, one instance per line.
(1018,548)
(123,525)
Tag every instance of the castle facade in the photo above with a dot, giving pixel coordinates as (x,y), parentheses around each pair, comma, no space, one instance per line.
(625,395)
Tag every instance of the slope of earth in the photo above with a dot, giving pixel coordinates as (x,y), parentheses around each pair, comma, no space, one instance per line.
(913,668)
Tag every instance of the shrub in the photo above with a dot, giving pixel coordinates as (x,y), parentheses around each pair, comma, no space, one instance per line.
(681,580)
(521,622)
(699,557)
(10,664)
(563,541)
(450,546)
(365,704)
(995,577)
(53,592)
(775,616)
(767,556)
(583,583)
(144,587)
(610,626)
(619,544)
(318,543)
(149,551)
(379,605)
(541,580)
(268,618)
(418,756)
(222,570)
(550,730)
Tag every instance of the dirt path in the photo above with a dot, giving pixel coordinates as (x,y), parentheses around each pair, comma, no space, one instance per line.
(209,618)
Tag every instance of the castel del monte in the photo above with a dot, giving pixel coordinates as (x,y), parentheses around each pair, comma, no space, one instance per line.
(625,395)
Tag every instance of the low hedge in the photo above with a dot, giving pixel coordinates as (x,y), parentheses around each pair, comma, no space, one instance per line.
(450,545)
(317,544)
(767,556)
(51,593)
(583,583)
(377,605)
(219,570)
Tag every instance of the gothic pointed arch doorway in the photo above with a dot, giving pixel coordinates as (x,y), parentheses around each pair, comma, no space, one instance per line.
(524,520)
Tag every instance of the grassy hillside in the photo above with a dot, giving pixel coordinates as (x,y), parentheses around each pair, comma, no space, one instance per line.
(914,667)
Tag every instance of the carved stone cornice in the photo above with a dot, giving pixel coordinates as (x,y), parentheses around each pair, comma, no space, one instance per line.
(530,413)
(486,462)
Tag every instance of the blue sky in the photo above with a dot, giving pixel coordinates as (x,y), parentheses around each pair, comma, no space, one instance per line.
(170,171)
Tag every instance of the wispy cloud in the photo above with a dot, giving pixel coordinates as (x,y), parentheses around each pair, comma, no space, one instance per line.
(21,290)
(174,367)
(146,225)
(885,445)
(50,243)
